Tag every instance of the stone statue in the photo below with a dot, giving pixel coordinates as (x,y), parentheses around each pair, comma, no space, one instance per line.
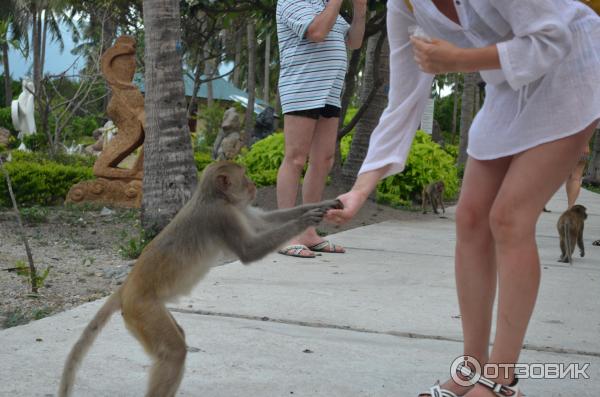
(116,184)
(265,124)
(229,141)
(23,110)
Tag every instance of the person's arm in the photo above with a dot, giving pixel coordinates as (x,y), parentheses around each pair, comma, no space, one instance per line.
(356,32)
(322,23)
(391,140)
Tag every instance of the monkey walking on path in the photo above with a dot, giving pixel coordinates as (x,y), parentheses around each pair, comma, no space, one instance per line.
(570,230)
(217,218)
(434,192)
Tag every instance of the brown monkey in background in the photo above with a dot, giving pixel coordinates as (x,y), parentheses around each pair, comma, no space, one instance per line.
(217,218)
(434,192)
(570,230)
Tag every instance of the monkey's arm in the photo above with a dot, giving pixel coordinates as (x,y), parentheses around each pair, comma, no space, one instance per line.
(238,235)
(288,214)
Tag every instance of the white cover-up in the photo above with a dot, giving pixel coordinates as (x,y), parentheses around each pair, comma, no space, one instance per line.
(548,86)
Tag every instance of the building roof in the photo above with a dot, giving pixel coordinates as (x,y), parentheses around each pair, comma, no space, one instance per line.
(223,90)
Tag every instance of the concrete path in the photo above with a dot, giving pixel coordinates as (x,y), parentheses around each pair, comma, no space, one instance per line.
(381,320)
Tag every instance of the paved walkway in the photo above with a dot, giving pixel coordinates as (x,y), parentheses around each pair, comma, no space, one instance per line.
(381,320)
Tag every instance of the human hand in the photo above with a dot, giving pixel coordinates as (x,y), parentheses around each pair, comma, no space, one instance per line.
(352,202)
(435,55)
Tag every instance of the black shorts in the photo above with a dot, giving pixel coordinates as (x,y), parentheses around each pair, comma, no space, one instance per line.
(329,111)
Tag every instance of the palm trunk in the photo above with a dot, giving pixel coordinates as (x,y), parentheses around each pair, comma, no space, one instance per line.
(267,85)
(7,80)
(466,114)
(455,107)
(169,169)
(376,75)
(249,119)
(36,38)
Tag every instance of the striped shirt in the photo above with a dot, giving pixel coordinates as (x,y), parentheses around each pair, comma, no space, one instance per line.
(311,74)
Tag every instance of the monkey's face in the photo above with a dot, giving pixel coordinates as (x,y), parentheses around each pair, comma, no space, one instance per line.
(249,187)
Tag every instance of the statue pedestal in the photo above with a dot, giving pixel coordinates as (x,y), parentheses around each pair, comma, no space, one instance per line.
(112,192)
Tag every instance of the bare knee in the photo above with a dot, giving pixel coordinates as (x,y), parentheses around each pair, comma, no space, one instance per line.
(295,159)
(471,220)
(509,226)
(324,162)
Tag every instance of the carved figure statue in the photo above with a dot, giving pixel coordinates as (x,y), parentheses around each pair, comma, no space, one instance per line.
(229,142)
(116,184)
(125,109)
(23,110)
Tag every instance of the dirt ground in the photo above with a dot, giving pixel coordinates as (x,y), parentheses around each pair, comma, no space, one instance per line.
(81,247)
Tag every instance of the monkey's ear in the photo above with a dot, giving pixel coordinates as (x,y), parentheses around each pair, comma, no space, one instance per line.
(222,182)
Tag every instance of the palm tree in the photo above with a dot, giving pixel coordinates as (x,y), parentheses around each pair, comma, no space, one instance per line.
(251,84)
(169,169)
(376,76)
(467,113)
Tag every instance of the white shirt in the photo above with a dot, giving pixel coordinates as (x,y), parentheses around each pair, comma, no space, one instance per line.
(311,74)
(548,86)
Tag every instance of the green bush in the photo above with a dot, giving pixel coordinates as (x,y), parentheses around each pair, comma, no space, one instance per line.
(79,128)
(41,183)
(37,141)
(202,159)
(427,162)
(81,160)
(452,150)
(264,158)
(345,144)
(6,119)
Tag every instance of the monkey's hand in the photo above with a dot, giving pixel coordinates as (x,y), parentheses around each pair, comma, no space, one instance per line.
(312,217)
(334,204)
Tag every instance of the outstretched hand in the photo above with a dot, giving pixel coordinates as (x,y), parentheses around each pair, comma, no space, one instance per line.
(352,201)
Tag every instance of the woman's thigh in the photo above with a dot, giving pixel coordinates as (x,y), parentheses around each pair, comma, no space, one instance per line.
(533,177)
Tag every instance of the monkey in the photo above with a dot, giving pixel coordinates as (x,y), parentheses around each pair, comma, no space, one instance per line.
(570,231)
(219,217)
(434,192)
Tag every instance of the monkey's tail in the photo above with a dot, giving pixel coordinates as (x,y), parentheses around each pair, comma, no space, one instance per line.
(85,342)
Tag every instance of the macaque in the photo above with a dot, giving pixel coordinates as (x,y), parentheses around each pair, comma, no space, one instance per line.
(570,230)
(434,192)
(218,218)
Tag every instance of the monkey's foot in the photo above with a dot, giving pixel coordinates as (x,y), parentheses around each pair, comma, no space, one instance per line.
(327,247)
(297,250)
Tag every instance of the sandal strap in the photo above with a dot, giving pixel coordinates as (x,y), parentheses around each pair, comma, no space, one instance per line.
(498,389)
(437,391)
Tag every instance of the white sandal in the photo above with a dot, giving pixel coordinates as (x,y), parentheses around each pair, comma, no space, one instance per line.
(437,391)
(498,389)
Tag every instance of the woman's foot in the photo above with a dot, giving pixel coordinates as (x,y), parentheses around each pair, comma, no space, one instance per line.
(452,387)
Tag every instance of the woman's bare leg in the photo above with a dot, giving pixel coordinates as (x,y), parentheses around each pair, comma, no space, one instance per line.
(299,133)
(531,180)
(475,267)
(320,161)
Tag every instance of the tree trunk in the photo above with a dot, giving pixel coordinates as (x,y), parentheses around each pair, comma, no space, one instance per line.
(7,80)
(466,114)
(350,83)
(208,73)
(239,35)
(169,169)
(277,110)
(592,175)
(193,105)
(455,106)
(267,81)
(35,37)
(376,71)
(43,45)
(249,120)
